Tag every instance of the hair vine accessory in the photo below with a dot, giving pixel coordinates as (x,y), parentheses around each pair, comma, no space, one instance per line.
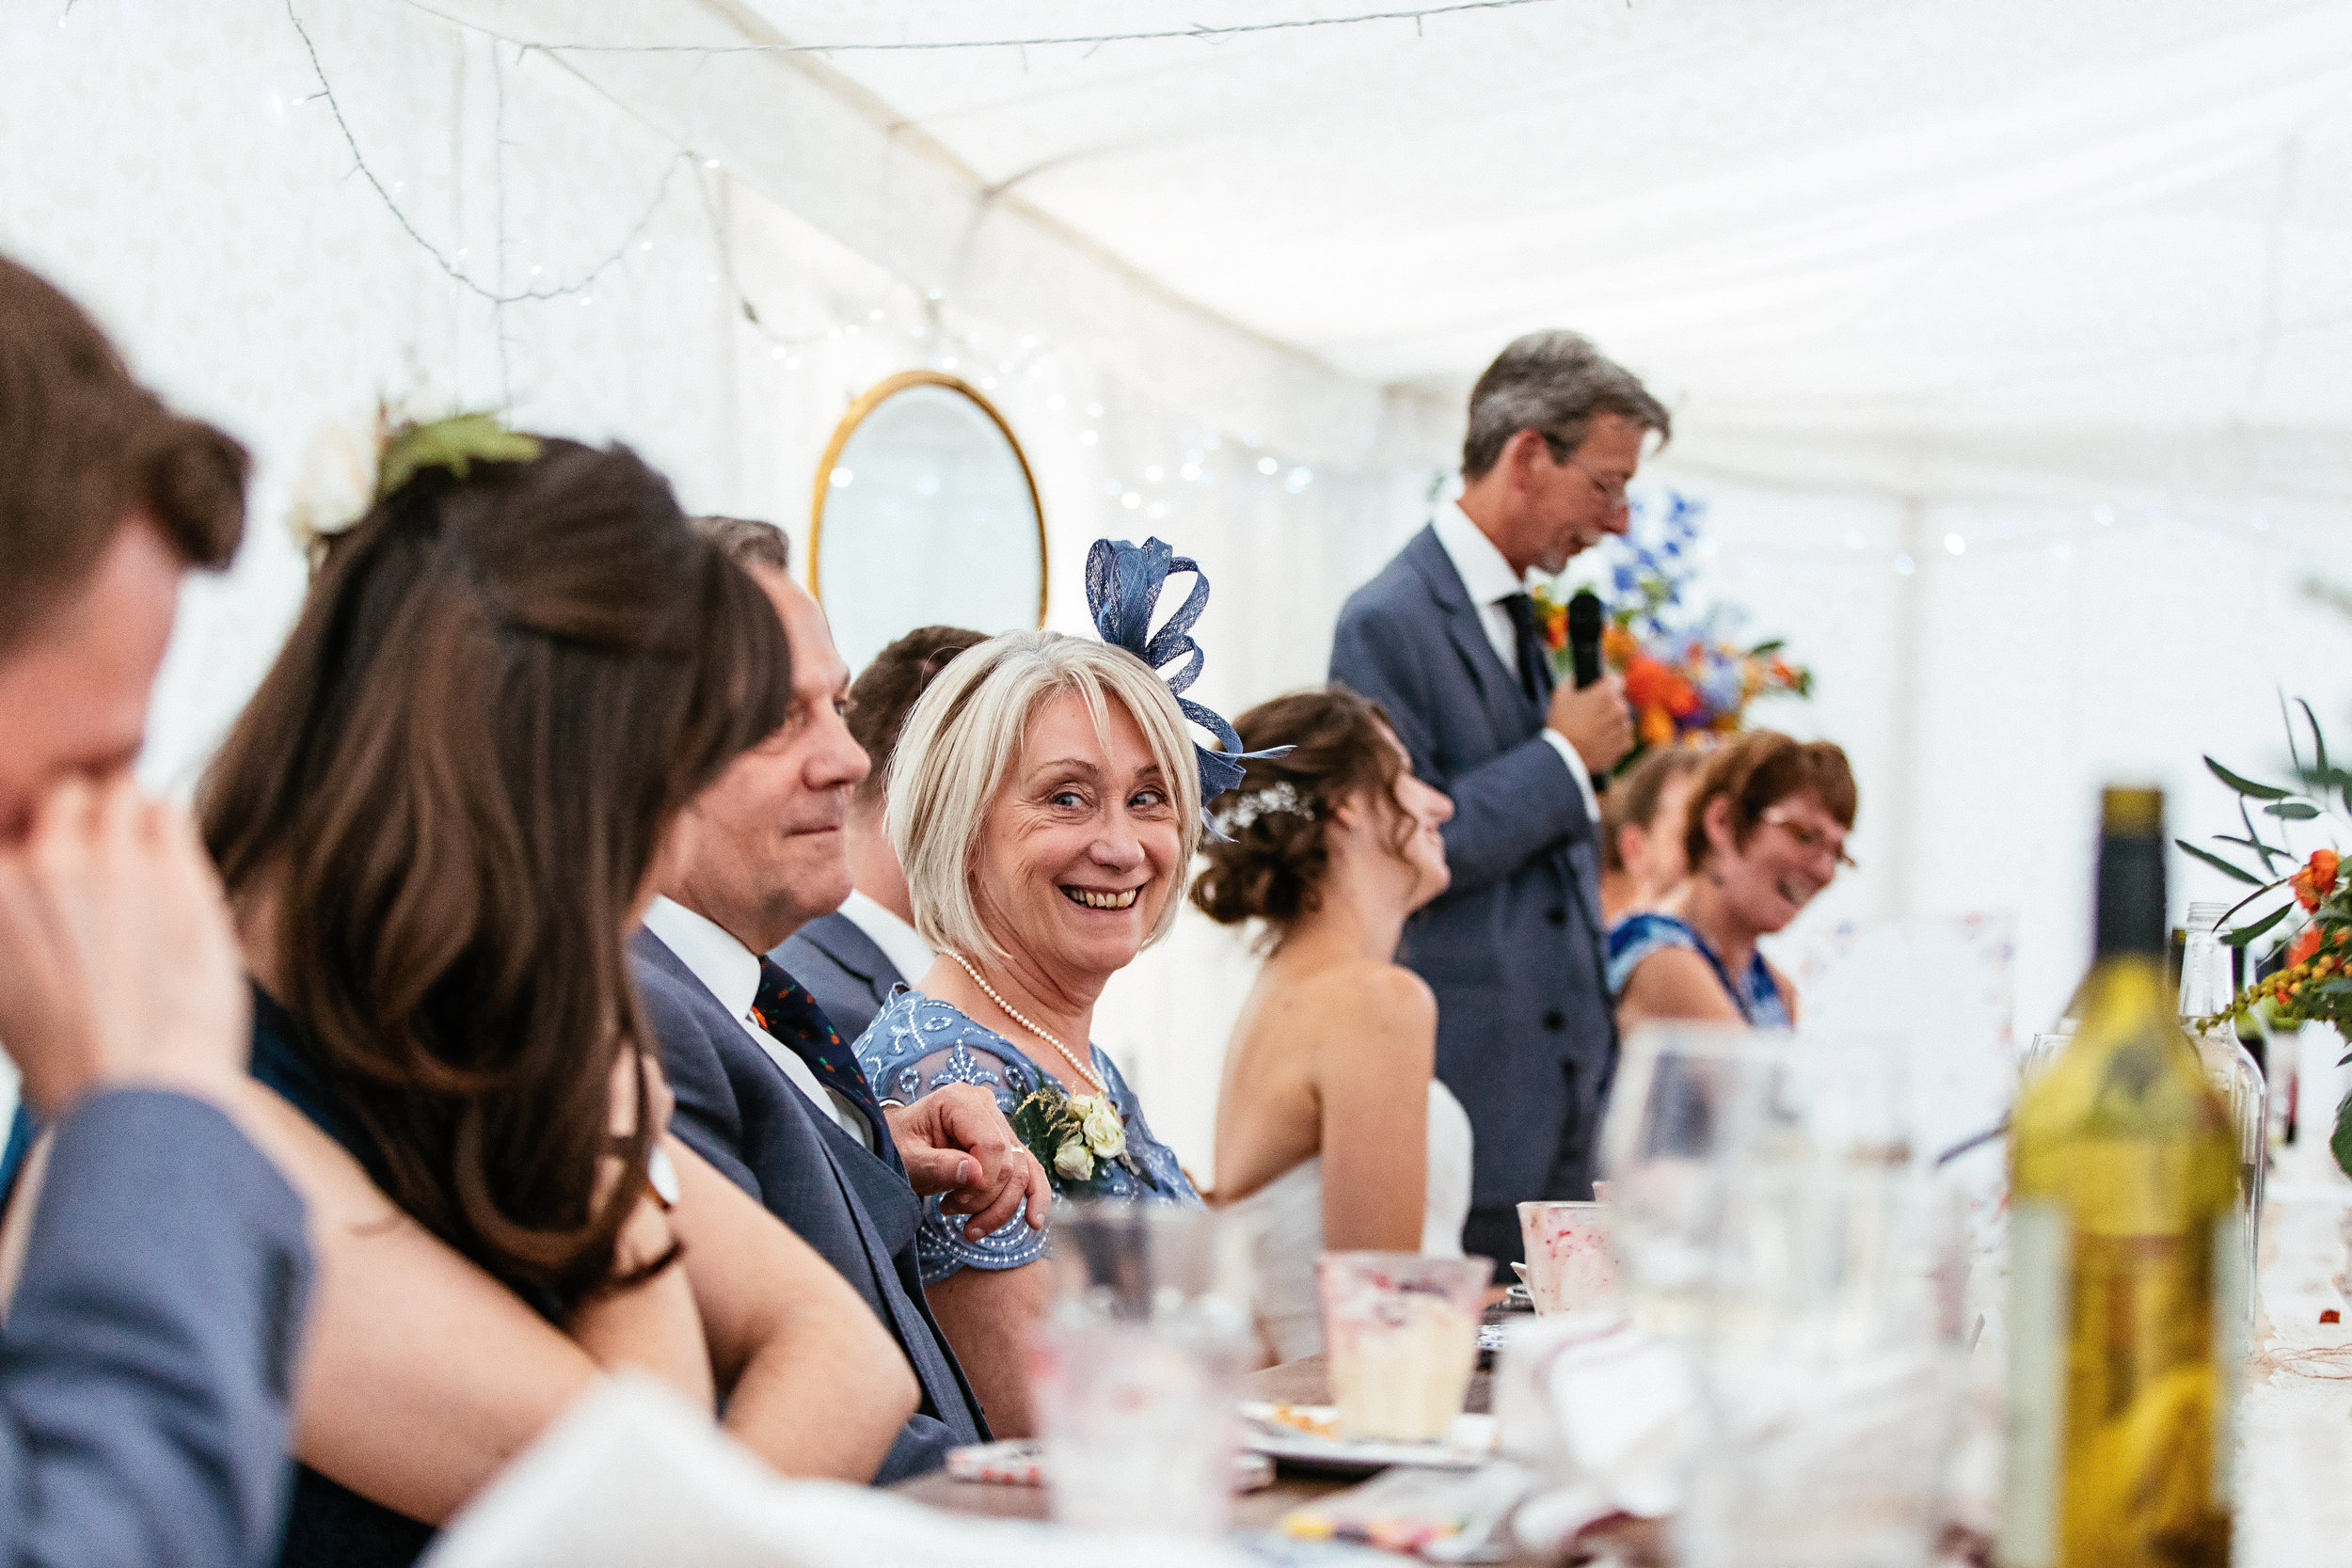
(1273,801)
(346,471)
(1123,583)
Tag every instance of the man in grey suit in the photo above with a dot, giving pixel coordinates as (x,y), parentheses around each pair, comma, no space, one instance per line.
(767,1089)
(852,958)
(1445,640)
(150,1343)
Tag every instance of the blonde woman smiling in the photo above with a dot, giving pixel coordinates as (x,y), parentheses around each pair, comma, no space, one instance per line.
(1046,799)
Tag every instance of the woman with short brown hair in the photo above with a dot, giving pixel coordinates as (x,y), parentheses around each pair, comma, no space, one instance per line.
(1765,832)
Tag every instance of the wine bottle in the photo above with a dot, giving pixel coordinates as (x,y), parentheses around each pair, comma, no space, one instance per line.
(2126,1321)
(2206,994)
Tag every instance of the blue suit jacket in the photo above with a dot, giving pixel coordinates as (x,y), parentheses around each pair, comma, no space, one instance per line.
(738,1110)
(145,1366)
(1526,1036)
(848,976)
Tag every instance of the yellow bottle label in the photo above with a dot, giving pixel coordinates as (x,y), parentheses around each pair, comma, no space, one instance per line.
(2034,1413)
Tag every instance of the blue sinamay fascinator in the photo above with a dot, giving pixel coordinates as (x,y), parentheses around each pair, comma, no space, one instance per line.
(1123,583)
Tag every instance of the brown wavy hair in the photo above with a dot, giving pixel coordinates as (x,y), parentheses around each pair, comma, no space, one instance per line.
(1273,868)
(1759,770)
(453,782)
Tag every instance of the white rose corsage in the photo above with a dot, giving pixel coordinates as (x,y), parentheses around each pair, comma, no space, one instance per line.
(1074,1136)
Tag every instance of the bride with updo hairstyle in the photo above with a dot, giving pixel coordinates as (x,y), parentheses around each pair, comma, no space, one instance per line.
(1332,1133)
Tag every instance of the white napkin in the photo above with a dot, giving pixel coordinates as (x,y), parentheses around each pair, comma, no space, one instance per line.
(1602,1413)
(632,1477)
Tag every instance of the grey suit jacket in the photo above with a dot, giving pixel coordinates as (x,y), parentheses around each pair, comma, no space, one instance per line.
(1526,1036)
(145,1365)
(848,976)
(738,1110)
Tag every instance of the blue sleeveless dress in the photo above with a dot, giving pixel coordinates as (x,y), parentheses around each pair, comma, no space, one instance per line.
(1756,994)
(915,1045)
(328,1524)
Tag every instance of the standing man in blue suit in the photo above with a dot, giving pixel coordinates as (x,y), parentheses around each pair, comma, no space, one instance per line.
(151,1341)
(851,958)
(1445,640)
(767,1089)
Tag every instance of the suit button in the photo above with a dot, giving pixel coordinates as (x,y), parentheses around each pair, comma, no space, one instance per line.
(1558,917)
(1555,1019)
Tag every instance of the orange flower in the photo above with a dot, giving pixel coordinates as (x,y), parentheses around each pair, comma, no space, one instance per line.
(1618,645)
(1555,626)
(1650,684)
(2317,879)
(2306,942)
(1656,725)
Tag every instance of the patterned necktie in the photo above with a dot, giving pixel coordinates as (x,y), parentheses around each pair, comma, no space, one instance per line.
(1535,663)
(790,1015)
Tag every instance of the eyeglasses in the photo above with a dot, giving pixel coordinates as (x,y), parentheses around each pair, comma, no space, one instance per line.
(1610,491)
(1811,840)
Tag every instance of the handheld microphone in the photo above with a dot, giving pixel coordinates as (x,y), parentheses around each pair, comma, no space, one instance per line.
(1584,622)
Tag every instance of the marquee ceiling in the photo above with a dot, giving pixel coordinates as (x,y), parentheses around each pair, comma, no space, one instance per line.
(2042,232)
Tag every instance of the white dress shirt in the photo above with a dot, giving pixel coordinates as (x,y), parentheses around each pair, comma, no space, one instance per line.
(900,942)
(1490,580)
(730,972)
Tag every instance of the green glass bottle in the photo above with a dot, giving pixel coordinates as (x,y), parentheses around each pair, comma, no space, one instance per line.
(2127,1260)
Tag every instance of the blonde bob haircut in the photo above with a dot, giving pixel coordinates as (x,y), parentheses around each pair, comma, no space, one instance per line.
(964,737)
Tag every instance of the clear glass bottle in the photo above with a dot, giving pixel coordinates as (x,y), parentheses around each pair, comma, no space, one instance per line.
(2205,991)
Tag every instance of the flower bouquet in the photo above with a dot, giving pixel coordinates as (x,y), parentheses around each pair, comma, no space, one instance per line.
(1074,1136)
(1686,677)
(2302,905)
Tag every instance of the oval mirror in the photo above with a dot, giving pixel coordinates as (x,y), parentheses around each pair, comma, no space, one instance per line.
(925,514)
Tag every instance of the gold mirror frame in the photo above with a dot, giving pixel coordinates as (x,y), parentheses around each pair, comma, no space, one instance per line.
(873,398)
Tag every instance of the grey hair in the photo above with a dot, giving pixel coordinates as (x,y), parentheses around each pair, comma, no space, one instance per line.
(1553,383)
(747,541)
(963,738)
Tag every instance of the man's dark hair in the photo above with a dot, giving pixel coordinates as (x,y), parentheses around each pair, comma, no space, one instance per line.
(747,542)
(884,694)
(1553,383)
(81,446)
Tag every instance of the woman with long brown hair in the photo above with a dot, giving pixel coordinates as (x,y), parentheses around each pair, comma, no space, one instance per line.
(439,821)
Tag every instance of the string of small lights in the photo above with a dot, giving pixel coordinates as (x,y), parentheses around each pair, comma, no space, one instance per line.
(1200,32)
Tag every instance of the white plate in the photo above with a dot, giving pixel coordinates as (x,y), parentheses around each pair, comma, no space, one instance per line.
(1470,1444)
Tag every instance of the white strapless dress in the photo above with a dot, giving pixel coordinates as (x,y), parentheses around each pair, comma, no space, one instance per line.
(1280,1226)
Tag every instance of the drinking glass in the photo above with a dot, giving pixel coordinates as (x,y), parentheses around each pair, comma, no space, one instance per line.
(1400,1331)
(1686,1095)
(1136,1370)
(1571,1267)
(1828,1340)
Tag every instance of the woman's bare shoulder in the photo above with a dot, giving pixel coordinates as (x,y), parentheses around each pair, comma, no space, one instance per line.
(1675,982)
(1370,1003)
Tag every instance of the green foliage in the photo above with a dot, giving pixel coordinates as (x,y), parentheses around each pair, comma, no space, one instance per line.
(455,443)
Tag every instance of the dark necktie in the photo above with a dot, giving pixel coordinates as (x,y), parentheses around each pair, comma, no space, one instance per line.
(1535,663)
(792,1018)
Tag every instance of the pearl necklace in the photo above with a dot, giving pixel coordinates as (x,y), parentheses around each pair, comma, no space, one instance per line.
(1013,1013)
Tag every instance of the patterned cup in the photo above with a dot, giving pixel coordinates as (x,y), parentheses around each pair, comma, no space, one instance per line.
(1570,1266)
